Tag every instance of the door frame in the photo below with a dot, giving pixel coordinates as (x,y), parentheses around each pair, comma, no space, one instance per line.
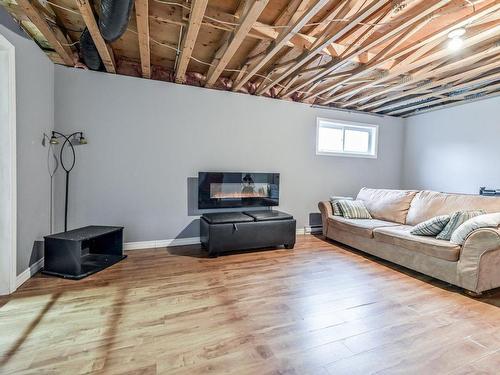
(9,204)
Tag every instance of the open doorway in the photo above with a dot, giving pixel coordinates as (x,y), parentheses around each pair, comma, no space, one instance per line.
(8,202)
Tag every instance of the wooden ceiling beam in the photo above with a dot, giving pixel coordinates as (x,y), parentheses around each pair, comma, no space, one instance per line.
(105,52)
(261,46)
(491,94)
(448,98)
(420,45)
(60,46)
(375,106)
(325,40)
(430,58)
(198,8)
(260,31)
(293,7)
(414,102)
(342,10)
(255,8)
(430,71)
(142,19)
(281,41)
(415,23)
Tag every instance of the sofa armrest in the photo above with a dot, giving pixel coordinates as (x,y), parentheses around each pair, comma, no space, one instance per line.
(479,263)
(326,210)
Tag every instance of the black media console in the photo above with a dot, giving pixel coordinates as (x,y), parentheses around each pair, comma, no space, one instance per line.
(228,231)
(81,252)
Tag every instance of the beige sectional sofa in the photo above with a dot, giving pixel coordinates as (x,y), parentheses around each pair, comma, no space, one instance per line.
(475,266)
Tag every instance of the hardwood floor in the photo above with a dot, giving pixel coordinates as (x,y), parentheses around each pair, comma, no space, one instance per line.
(318,309)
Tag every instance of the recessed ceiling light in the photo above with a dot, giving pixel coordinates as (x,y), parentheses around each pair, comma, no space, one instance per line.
(457,33)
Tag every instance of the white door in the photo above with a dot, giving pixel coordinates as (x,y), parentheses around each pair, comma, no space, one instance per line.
(7,168)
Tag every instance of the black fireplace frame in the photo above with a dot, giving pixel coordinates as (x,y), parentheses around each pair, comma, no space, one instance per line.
(205,201)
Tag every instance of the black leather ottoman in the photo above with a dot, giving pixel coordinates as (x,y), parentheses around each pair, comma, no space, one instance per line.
(229,231)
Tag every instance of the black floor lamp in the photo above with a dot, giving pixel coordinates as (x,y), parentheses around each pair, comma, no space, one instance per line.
(69,140)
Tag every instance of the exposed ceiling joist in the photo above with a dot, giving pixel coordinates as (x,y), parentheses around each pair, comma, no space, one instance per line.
(430,58)
(436,106)
(281,40)
(105,52)
(417,102)
(195,19)
(142,20)
(323,42)
(376,56)
(468,94)
(418,19)
(59,43)
(255,8)
(398,99)
(417,47)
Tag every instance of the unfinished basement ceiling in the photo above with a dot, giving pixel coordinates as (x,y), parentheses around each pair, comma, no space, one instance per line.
(386,57)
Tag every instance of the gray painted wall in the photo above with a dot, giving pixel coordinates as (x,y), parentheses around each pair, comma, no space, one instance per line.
(455,149)
(35,115)
(149,139)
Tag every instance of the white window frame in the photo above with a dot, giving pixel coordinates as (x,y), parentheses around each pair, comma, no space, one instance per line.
(348,125)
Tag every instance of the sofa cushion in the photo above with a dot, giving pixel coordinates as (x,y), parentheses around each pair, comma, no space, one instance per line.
(360,227)
(401,236)
(428,204)
(389,205)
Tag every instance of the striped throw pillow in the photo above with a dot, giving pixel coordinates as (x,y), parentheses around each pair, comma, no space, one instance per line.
(334,199)
(431,227)
(353,209)
(457,219)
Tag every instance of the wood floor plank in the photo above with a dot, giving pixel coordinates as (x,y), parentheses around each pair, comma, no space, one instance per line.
(319,309)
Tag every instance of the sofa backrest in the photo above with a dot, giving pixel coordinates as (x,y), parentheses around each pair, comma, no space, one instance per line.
(428,204)
(385,204)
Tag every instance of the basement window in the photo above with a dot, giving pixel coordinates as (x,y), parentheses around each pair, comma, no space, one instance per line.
(341,138)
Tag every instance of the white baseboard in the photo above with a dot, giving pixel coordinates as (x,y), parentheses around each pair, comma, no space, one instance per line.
(140,245)
(27,273)
(161,243)
(313,230)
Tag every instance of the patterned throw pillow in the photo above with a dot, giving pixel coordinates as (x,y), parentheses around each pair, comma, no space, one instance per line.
(334,199)
(431,227)
(353,209)
(457,219)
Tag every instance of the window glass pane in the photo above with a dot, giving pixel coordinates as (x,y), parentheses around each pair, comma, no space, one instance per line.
(357,141)
(329,139)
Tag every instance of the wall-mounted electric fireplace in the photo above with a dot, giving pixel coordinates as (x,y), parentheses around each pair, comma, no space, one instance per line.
(237,189)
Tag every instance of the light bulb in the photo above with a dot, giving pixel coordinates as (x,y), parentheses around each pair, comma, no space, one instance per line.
(455,44)
(53,140)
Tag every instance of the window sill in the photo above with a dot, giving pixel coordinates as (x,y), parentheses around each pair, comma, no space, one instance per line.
(347,155)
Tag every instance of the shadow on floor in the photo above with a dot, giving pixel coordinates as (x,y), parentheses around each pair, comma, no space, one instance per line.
(27,332)
(113,326)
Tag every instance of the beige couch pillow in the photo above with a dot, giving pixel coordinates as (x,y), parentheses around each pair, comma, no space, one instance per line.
(385,204)
(482,221)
